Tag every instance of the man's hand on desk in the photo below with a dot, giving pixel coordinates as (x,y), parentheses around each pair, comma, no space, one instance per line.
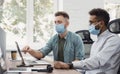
(61,65)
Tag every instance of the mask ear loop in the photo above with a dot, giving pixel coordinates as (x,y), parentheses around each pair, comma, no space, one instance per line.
(97,27)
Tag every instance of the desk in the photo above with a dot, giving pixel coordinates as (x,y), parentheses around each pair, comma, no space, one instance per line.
(12,64)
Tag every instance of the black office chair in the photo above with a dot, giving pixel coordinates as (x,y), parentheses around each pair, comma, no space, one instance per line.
(114,27)
(118,70)
(85,35)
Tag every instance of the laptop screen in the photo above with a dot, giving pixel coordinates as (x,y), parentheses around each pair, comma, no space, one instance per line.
(18,48)
(23,62)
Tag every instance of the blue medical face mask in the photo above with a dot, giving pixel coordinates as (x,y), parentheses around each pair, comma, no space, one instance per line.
(93,30)
(60,28)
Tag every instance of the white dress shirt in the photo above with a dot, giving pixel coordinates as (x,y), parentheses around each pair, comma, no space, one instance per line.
(104,55)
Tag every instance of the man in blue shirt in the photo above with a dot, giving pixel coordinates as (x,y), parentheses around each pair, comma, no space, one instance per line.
(66,46)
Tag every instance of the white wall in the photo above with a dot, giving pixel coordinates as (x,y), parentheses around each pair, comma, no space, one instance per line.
(78,11)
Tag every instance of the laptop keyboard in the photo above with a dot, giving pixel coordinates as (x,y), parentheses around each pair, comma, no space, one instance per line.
(17,69)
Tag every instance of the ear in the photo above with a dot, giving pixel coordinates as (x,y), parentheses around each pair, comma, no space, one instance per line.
(102,24)
(67,23)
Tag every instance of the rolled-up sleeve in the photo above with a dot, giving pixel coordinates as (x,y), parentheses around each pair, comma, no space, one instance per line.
(47,49)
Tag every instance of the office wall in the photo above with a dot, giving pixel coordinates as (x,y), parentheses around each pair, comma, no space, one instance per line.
(78,11)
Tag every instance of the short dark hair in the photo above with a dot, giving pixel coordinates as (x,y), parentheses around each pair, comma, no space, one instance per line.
(100,14)
(62,13)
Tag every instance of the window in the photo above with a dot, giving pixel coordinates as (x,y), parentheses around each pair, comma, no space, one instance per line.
(113,8)
(27,22)
(43,27)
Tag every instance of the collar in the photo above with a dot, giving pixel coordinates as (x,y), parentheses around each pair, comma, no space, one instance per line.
(65,36)
(105,33)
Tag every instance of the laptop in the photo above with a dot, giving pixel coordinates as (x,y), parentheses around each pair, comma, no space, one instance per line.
(23,62)
(22,66)
(30,63)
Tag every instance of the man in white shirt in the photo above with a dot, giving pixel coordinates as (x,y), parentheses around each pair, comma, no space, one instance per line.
(105,52)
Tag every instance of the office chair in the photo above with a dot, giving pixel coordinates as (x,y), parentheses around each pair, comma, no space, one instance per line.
(118,70)
(85,35)
(114,27)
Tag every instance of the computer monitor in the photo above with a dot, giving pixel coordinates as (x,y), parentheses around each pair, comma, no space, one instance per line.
(3,42)
(3,51)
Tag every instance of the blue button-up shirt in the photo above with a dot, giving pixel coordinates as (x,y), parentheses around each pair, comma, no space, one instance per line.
(73,47)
